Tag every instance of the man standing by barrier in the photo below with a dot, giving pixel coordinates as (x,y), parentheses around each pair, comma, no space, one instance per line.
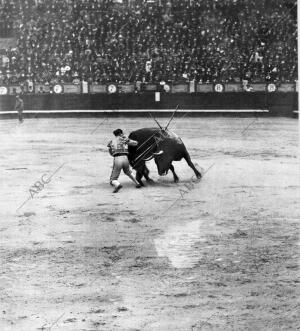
(118,148)
(19,106)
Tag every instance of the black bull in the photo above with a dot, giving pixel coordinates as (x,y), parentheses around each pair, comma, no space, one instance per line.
(162,145)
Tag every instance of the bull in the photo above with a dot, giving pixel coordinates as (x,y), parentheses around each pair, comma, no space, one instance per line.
(161,145)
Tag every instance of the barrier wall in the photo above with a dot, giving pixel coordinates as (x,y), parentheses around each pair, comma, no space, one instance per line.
(278,103)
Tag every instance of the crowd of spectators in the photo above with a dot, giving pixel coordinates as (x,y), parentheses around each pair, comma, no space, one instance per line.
(150,41)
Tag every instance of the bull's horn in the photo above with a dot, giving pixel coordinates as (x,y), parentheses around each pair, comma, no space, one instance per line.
(149,158)
(158,153)
(152,156)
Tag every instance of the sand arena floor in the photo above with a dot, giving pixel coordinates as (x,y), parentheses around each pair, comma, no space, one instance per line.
(222,254)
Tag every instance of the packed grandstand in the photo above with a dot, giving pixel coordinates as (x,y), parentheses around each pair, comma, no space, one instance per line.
(101,41)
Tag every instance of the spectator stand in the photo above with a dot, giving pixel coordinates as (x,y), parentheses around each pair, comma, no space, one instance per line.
(121,42)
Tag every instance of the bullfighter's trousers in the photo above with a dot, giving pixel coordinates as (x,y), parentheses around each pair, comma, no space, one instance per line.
(120,163)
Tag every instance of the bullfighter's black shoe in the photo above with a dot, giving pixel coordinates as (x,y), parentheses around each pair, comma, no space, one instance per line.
(117,189)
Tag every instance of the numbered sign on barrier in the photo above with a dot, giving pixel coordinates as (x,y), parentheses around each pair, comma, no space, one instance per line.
(58,89)
(271,87)
(3,90)
(219,88)
(167,88)
(112,88)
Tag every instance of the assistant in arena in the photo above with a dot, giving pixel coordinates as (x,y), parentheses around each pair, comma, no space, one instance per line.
(118,148)
(19,106)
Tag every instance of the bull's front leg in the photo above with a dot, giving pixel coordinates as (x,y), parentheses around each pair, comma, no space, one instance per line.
(191,164)
(138,177)
(176,179)
(146,174)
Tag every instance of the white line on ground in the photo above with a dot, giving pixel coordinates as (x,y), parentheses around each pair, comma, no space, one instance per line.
(141,111)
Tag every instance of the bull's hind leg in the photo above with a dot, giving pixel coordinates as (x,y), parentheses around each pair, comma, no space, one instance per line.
(176,179)
(146,174)
(191,164)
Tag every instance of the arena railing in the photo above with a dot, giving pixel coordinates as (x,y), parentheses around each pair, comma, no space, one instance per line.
(138,87)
